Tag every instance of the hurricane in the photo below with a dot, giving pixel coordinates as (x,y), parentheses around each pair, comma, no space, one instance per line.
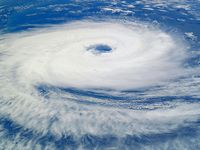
(97,75)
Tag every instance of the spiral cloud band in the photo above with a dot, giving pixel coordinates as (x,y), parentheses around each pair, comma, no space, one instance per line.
(74,56)
(44,73)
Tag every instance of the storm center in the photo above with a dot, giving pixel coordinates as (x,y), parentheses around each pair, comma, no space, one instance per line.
(99,48)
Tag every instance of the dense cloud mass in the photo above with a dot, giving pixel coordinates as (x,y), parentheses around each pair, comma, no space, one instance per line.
(63,57)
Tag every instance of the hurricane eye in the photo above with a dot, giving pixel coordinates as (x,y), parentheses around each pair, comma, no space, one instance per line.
(99,48)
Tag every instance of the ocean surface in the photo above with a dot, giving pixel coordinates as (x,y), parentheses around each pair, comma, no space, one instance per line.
(100,75)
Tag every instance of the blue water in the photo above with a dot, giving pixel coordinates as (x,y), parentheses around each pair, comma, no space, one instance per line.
(99,48)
